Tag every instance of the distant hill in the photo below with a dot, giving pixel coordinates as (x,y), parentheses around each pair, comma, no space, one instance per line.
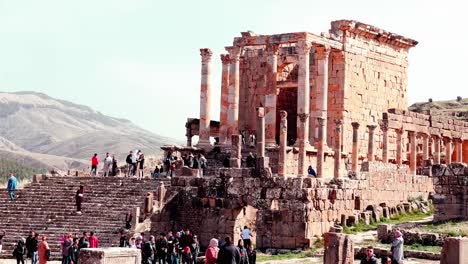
(62,134)
(456,109)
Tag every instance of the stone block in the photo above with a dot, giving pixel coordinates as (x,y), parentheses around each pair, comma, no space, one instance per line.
(339,248)
(455,251)
(383,232)
(110,256)
(366,216)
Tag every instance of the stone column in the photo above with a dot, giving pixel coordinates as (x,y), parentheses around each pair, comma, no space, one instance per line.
(320,149)
(283,141)
(322,87)
(384,128)
(271,96)
(236,151)
(436,139)
(338,142)
(458,147)
(260,132)
(370,146)
(413,150)
(355,154)
(302,145)
(233,93)
(303,92)
(223,115)
(205,98)
(448,150)
(399,149)
(425,147)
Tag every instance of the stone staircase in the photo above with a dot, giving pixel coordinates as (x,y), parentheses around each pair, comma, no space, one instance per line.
(48,207)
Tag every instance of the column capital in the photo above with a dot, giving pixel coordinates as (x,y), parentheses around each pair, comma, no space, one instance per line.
(303,47)
(371,127)
(323,52)
(457,140)
(436,137)
(225,59)
(355,125)
(447,139)
(338,124)
(411,133)
(399,131)
(423,135)
(272,49)
(234,53)
(303,117)
(283,114)
(206,54)
(383,125)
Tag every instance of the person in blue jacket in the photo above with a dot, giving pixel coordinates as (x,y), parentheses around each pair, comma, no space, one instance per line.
(11,187)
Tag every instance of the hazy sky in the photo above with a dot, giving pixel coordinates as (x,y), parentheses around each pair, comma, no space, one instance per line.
(140,59)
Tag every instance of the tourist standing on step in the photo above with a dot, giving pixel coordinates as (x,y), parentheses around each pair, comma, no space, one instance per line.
(79,198)
(211,254)
(203,164)
(161,248)
(11,186)
(94,164)
(43,251)
(172,249)
(128,220)
(228,254)
(93,241)
(250,161)
(134,162)
(141,165)
(128,160)
(246,235)
(114,166)
(167,163)
(107,165)
(397,248)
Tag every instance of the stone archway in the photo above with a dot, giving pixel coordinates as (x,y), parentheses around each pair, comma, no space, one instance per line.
(247,216)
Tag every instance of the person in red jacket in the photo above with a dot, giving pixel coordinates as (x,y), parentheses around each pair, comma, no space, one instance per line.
(211,255)
(94,164)
(93,241)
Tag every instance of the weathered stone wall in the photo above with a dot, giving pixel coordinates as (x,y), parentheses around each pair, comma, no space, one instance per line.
(451,187)
(283,212)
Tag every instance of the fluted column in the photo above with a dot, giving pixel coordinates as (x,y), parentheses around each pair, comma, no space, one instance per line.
(283,138)
(448,150)
(399,148)
(384,127)
(303,92)
(436,140)
(355,154)
(413,150)
(370,146)
(425,146)
(338,142)
(233,91)
(302,145)
(205,98)
(271,96)
(322,86)
(320,147)
(223,115)
(236,151)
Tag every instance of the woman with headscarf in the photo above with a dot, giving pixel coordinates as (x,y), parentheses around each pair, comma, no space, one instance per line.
(397,248)
(211,255)
(244,257)
(43,251)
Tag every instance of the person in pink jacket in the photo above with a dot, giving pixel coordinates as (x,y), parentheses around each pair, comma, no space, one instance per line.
(93,241)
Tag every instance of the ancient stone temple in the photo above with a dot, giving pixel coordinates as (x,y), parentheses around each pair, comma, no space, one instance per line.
(345,78)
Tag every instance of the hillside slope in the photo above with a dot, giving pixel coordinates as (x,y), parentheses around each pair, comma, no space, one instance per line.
(456,109)
(36,123)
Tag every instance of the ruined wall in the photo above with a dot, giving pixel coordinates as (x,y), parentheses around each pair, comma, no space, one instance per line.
(451,186)
(283,212)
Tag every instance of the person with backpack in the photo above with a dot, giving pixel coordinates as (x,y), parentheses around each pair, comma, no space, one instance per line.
(128,160)
(19,251)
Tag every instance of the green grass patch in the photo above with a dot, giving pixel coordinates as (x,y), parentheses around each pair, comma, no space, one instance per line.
(451,228)
(401,218)
(419,247)
(302,254)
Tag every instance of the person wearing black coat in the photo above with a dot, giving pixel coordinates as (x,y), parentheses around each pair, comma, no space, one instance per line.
(229,253)
(244,256)
(252,255)
(19,251)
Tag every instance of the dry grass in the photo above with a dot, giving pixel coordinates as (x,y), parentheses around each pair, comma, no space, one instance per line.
(450,228)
